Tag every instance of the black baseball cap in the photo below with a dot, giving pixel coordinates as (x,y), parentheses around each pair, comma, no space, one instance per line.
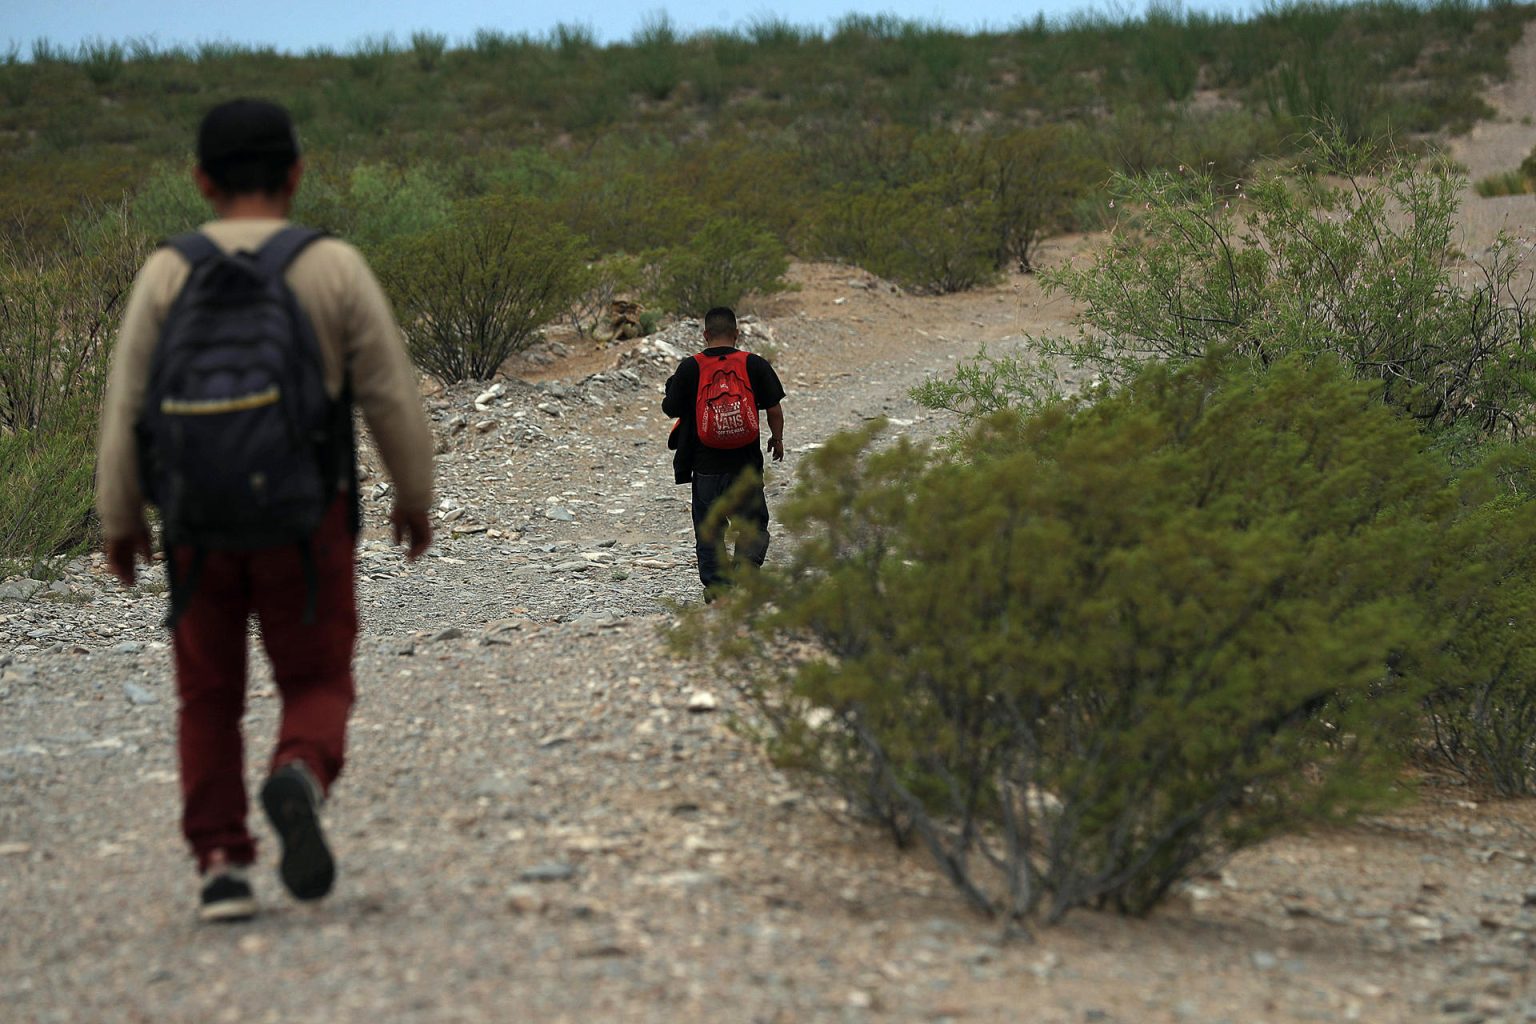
(246,129)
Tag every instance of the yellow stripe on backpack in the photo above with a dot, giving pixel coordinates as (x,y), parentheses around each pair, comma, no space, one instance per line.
(216,406)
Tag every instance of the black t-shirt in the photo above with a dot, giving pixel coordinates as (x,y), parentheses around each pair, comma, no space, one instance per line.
(682,391)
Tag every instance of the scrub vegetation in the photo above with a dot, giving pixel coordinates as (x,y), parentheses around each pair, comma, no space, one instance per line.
(1276,550)
(1277,546)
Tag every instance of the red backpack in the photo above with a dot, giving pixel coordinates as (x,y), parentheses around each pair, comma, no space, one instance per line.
(725,410)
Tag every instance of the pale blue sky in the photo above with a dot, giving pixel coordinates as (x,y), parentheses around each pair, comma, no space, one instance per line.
(295,25)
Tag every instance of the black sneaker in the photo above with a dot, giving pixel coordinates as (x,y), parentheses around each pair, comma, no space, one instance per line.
(292,799)
(227,896)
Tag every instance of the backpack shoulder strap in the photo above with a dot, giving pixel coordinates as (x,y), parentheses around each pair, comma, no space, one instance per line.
(284,247)
(194,246)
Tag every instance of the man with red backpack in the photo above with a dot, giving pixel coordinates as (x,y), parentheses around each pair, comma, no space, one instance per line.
(716,396)
(243,348)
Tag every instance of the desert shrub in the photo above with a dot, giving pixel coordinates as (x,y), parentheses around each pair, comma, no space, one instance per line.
(1510,183)
(761,182)
(923,236)
(371,57)
(1324,88)
(16,81)
(1036,177)
(474,291)
(168,203)
(573,40)
(46,503)
(726,260)
(492,44)
(1163,56)
(363,106)
(1364,272)
(1528,166)
(1114,641)
(616,277)
(102,61)
(428,49)
(387,202)
(989,383)
(1481,714)
(324,199)
(655,62)
(59,311)
(630,211)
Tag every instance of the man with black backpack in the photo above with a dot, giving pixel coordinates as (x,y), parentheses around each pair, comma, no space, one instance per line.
(229,407)
(716,396)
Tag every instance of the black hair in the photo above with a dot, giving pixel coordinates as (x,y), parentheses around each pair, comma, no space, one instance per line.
(243,176)
(720,321)
(247,146)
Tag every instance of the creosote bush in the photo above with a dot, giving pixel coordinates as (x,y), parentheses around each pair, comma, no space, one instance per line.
(1348,257)
(59,311)
(473,292)
(1481,712)
(1364,272)
(724,262)
(1111,641)
(1362,275)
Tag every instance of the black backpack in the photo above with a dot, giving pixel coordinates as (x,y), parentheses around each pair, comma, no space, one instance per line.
(239,445)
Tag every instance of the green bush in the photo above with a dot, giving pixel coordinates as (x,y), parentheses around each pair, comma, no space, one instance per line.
(614,278)
(371,57)
(102,60)
(1116,641)
(473,292)
(922,236)
(1364,272)
(630,211)
(386,203)
(1510,183)
(656,63)
(1036,177)
(428,49)
(59,312)
(1482,712)
(1528,166)
(168,203)
(724,262)
(46,503)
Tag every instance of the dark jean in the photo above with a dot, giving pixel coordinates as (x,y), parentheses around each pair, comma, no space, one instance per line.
(749,509)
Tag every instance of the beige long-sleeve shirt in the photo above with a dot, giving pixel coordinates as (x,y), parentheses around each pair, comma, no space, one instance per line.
(357,334)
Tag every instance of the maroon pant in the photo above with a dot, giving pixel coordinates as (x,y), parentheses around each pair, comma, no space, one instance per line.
(312,666)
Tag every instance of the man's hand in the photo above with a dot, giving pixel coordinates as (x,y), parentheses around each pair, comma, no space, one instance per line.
(776,431)
(121,552)
(414,525)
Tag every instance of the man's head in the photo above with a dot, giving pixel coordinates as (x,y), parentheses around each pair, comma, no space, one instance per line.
(248,147)
(720,326)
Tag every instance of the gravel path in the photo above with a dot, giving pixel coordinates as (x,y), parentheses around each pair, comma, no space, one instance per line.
(547,817)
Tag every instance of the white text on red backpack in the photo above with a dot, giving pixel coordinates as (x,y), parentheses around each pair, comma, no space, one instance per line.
(725,411)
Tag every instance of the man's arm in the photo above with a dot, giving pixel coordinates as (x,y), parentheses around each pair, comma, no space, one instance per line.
(384,383)
(776,427)
(678,401)
(119,505)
